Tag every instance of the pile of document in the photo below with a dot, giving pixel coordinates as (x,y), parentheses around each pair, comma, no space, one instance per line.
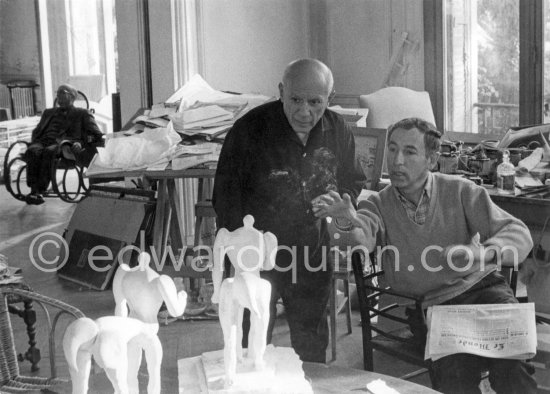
(196,109)
(488,330)
(210,120)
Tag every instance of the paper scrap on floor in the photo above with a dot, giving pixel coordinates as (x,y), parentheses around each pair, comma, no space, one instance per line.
(378,386)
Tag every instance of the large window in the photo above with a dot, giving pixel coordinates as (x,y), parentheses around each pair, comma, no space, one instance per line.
(482,62)
(78,46)
(487,65)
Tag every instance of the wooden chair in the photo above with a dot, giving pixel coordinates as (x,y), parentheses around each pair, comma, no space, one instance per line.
(340,273)
(370,145)
(10,378)
(397,340)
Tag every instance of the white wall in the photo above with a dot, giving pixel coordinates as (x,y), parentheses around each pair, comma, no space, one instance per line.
(128,58)
(247,43)
(362,36)
(19,56)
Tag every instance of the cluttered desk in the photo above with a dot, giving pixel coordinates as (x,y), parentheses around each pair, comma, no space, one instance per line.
(174,141)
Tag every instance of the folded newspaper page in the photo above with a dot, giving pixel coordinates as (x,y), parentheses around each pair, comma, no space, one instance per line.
(488,330)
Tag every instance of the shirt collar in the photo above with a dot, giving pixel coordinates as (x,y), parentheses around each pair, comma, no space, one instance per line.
(428,186)
(320,126)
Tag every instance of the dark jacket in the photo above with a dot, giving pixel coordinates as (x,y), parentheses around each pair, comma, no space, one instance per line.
(265,170)
(79,126)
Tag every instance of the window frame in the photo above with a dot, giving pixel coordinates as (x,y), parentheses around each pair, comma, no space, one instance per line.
(531,83)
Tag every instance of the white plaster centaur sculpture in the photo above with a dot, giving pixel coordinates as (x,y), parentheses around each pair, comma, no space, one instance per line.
(250,251)
(117,342)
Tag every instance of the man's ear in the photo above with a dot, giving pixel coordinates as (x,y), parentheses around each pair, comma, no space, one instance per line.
(281,90)
(434,157)
(331,96)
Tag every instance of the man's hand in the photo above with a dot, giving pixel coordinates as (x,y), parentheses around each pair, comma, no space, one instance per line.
(331,204)
(463,255)
(76,147)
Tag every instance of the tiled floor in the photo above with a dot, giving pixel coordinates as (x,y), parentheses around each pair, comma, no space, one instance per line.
(22,224)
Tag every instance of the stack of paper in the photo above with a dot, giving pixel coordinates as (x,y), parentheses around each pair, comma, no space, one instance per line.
(157,116)
(203,118)
(214,119)
(198,109)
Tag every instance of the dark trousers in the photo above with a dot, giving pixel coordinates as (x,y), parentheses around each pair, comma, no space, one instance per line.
(305,305)
(460,373)
(39,158)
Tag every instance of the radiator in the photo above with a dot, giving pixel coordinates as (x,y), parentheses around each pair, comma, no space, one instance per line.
(23,101)
(4,97)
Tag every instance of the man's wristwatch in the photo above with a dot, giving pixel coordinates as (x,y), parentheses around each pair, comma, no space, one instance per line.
(346,226)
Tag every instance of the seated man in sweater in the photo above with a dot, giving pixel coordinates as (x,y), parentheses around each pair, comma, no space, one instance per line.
(63,123)
(423,215)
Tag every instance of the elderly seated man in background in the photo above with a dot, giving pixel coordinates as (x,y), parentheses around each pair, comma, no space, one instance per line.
(63,123)
(448,237)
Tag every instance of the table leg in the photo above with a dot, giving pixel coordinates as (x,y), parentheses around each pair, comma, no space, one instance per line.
(176,221)
(160,212)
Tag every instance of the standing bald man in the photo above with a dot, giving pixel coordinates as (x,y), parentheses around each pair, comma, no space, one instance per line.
(275,161)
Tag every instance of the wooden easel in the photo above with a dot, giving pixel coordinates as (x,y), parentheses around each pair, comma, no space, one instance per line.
(397,64)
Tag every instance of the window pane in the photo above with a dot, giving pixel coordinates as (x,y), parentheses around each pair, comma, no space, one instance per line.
(482,63)
(80,49)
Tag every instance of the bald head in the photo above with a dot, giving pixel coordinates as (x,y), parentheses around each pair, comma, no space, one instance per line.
(305,91)
(66,94)
(68,88)
(309,71)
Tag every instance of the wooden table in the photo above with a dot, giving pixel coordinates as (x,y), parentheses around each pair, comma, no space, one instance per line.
(324,379)
(168,213)
(327,379)
(532,211)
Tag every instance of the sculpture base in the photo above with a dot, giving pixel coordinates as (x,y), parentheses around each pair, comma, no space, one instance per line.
(282,374)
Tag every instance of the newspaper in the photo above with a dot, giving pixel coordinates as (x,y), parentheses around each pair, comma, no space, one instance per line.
(488,330)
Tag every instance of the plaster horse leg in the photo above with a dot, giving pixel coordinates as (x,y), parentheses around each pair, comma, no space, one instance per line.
(134,357)
(228,314)
(153,355)
(259,324)
(81,374)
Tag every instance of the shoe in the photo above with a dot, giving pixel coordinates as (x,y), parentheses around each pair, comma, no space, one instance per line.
(34,199)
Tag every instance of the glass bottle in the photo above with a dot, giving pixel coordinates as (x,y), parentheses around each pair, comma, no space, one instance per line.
(505,175)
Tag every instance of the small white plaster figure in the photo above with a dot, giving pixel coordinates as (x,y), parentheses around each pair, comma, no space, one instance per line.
(117,342)
(140,291)
(250,251)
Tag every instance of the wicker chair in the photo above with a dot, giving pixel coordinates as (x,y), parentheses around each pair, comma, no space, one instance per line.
(10,379)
